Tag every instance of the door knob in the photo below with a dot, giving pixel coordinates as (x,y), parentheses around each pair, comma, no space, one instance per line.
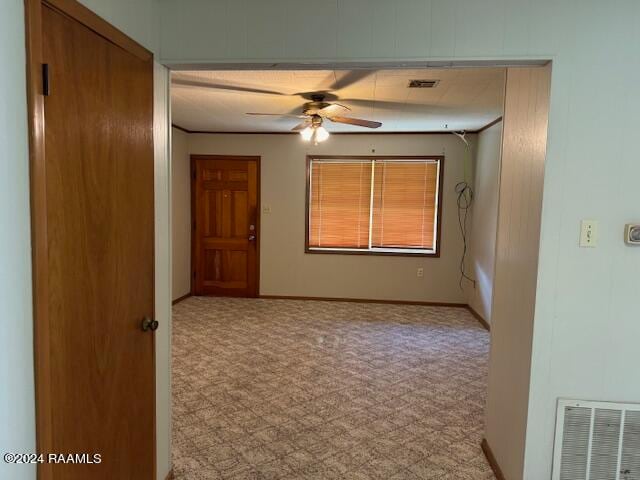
(149,324)
(252,238)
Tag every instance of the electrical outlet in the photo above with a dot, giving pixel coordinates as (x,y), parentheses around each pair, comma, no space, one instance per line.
(420,272)
(589,233)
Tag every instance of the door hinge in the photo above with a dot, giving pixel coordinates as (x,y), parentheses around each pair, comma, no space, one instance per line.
(45,79)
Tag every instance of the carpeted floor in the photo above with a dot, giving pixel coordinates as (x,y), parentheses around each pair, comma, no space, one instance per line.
(284,389)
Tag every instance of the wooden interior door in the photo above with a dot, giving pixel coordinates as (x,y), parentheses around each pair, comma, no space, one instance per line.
(99,380)
(225,225)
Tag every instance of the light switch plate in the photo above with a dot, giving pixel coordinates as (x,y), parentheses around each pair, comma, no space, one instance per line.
(589,233)
(266,209)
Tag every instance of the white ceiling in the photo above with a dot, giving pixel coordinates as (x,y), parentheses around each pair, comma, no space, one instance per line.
(464,99)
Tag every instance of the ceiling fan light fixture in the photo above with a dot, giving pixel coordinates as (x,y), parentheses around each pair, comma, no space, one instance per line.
(306,134)
(321,134)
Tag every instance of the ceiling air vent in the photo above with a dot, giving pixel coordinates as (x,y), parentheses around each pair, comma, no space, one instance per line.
(597,441)
(423,83)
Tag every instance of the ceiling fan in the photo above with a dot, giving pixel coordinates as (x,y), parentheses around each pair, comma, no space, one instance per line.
(315,112)
(320,105)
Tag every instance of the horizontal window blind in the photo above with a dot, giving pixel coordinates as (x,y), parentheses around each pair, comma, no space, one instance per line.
(340,204)
(374,205)
(404,204)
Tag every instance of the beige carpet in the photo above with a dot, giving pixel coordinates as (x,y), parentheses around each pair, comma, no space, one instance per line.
(283,389)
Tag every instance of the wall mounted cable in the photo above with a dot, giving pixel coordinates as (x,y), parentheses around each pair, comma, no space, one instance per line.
(464,193)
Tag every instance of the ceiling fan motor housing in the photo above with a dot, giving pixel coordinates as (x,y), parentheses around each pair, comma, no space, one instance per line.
(316,120)
(317,103)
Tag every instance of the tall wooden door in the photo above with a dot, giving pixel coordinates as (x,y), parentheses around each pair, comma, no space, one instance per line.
(100,238)
(225,225)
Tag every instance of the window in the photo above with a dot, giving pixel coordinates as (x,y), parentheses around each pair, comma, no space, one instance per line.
(373,205)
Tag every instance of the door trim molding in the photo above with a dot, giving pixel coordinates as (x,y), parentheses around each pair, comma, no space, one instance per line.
(39,249)
(192,170)
(37,191)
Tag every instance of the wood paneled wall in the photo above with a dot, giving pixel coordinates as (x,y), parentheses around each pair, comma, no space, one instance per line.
(516,269)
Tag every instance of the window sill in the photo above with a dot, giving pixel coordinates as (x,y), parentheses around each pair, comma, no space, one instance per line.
(376,252)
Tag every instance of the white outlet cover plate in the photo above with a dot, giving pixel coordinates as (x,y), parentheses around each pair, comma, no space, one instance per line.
(589,233)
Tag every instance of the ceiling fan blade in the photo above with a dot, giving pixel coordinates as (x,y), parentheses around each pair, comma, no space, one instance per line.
(332,110)
(300,126)
(183,82)
(350,78)
(356,121)
(277,114)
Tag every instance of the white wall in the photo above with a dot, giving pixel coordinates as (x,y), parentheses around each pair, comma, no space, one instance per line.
(138,18)
(17,404)
(285,269)
(484,220)
(585,333)
(181,213)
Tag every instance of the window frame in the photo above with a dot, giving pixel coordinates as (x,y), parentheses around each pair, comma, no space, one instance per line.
(391,252)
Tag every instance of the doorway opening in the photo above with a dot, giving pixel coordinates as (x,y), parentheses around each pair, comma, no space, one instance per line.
(337,366)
